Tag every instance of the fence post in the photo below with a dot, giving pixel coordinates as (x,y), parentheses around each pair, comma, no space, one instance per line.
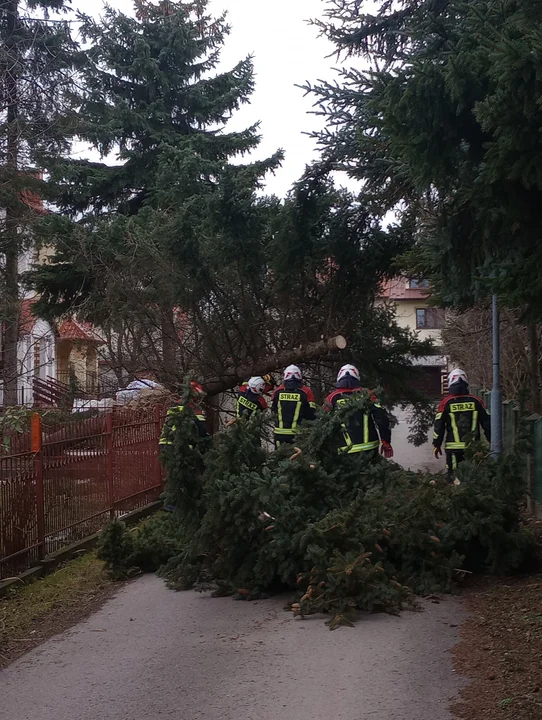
(36,447)
(109,454)
(157,433)
(537,470)
(509,430)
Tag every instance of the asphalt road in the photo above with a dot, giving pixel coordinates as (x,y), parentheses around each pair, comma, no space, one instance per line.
(410,457)
(151,653)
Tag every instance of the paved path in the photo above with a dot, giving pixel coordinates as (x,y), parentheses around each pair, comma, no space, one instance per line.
(410,457)
(151,653)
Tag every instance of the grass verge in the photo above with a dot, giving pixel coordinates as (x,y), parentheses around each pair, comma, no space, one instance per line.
(33,613)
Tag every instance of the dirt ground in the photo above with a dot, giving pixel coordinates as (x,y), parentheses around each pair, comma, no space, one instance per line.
(501,650)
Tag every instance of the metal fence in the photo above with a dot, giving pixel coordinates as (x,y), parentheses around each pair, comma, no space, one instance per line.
(60,484)
(511,424)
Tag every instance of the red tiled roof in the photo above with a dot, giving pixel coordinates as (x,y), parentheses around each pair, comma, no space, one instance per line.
(67,330)
(398,289)
(74,330)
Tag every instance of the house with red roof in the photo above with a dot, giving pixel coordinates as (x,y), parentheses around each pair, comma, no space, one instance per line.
(410,299)
(77,353)
(35,351)
(51,354)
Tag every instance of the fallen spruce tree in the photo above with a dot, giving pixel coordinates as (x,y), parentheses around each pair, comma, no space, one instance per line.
(344,532)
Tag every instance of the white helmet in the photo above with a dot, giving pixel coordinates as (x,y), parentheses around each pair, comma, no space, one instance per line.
(457,375)
(348,371)
(292,372)
(257,385)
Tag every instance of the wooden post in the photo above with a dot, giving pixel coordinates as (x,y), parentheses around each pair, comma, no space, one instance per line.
(508,425)
(36,447)
(109,455)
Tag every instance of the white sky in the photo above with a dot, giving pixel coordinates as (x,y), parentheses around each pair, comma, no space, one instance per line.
(287,51)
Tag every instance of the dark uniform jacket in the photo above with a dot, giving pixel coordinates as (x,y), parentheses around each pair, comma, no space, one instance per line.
(362,430)
(249,402)
(458,421)
(172,418)
(292,403)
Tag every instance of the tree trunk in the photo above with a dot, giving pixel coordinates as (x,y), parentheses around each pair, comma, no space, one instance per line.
(534,373)
(11,235)
(169,347)
(233,376)
(11,324)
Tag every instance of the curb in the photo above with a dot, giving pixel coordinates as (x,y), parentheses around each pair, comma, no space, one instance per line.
(53,560)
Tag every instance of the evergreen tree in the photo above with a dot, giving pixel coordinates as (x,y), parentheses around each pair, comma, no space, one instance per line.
(142,238)
(37,61)
(174,243)
(346,531)
(445,127)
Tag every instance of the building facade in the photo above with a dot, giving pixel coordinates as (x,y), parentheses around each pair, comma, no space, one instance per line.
(410,300)
(51,355)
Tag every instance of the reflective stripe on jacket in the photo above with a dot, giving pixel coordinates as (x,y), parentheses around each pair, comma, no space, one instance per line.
(363,430)
(173,416)
(458,422)
(291,406)
(248,403)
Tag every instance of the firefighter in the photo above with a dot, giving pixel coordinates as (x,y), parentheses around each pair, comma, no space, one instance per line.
(292,404)
(174,413)
(269,385)
(459,418)
(251,397)
(363,431)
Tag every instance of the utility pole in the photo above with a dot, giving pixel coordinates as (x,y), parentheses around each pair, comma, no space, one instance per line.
(496,394)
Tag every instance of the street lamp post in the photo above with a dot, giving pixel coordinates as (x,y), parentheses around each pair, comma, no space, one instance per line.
(496,394)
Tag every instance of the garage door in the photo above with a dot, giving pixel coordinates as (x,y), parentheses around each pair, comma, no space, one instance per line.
(427,380)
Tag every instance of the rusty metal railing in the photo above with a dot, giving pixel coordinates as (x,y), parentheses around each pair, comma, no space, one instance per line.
(60,484)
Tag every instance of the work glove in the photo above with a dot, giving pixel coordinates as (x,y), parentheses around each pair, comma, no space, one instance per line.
(386,450)
(437,452)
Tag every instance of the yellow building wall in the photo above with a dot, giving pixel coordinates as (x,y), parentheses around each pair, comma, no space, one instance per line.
(405,313)
(78,358)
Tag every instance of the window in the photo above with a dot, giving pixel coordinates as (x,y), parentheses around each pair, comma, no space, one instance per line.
(418,284)
(429,319)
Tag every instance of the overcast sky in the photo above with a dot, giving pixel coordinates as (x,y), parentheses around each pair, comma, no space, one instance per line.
(287,51)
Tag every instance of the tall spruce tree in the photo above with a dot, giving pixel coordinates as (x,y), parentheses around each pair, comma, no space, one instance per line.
(445,126)
(138,239)
(37,61)
(173,244)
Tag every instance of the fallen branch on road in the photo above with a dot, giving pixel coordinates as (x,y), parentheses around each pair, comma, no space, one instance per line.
(347,532)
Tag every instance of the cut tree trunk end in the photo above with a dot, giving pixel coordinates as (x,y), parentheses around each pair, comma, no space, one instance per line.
(303,353)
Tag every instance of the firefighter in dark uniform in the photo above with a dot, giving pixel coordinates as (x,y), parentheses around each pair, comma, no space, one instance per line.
(174,416)
(364,432)
(293,403)
(251,396)
(459,418)
(174,413)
